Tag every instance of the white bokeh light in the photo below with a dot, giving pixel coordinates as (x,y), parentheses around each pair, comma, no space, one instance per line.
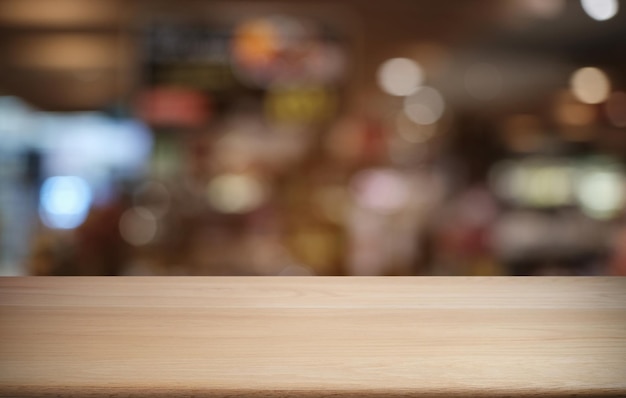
(590,85)
(64,202)
(425,106)
(600,10)
(601,193)
(400,76)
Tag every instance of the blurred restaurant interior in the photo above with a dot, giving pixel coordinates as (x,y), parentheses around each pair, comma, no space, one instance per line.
(397,137)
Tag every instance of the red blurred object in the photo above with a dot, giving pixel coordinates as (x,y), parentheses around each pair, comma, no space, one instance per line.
(174,106)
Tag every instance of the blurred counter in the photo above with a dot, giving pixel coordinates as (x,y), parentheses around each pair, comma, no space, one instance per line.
(340,337)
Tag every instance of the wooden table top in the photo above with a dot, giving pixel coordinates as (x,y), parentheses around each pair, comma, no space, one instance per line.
(312,337)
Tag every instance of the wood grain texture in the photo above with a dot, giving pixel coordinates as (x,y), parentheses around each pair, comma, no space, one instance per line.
(312,337)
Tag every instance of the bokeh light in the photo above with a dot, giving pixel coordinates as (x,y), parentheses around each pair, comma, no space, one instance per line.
(64,202)
(601,192)
(548,186)
(400,76)
(425,106)
(380,190)
(276,49)
(590,85)
(138,226)
(600,10)
(256,42)
(534,182)
(284,138)
(235,193)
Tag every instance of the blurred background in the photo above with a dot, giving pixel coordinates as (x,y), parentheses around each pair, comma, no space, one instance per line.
(397,137)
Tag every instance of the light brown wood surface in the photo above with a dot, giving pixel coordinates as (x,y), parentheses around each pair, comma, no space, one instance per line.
(312,337)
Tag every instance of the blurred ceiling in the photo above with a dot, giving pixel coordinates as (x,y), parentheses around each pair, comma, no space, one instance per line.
(571,34)
(78,54)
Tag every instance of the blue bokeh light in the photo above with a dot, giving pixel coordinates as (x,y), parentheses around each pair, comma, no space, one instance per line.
(64,202)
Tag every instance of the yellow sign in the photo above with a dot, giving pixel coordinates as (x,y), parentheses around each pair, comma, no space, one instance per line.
(300,105)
